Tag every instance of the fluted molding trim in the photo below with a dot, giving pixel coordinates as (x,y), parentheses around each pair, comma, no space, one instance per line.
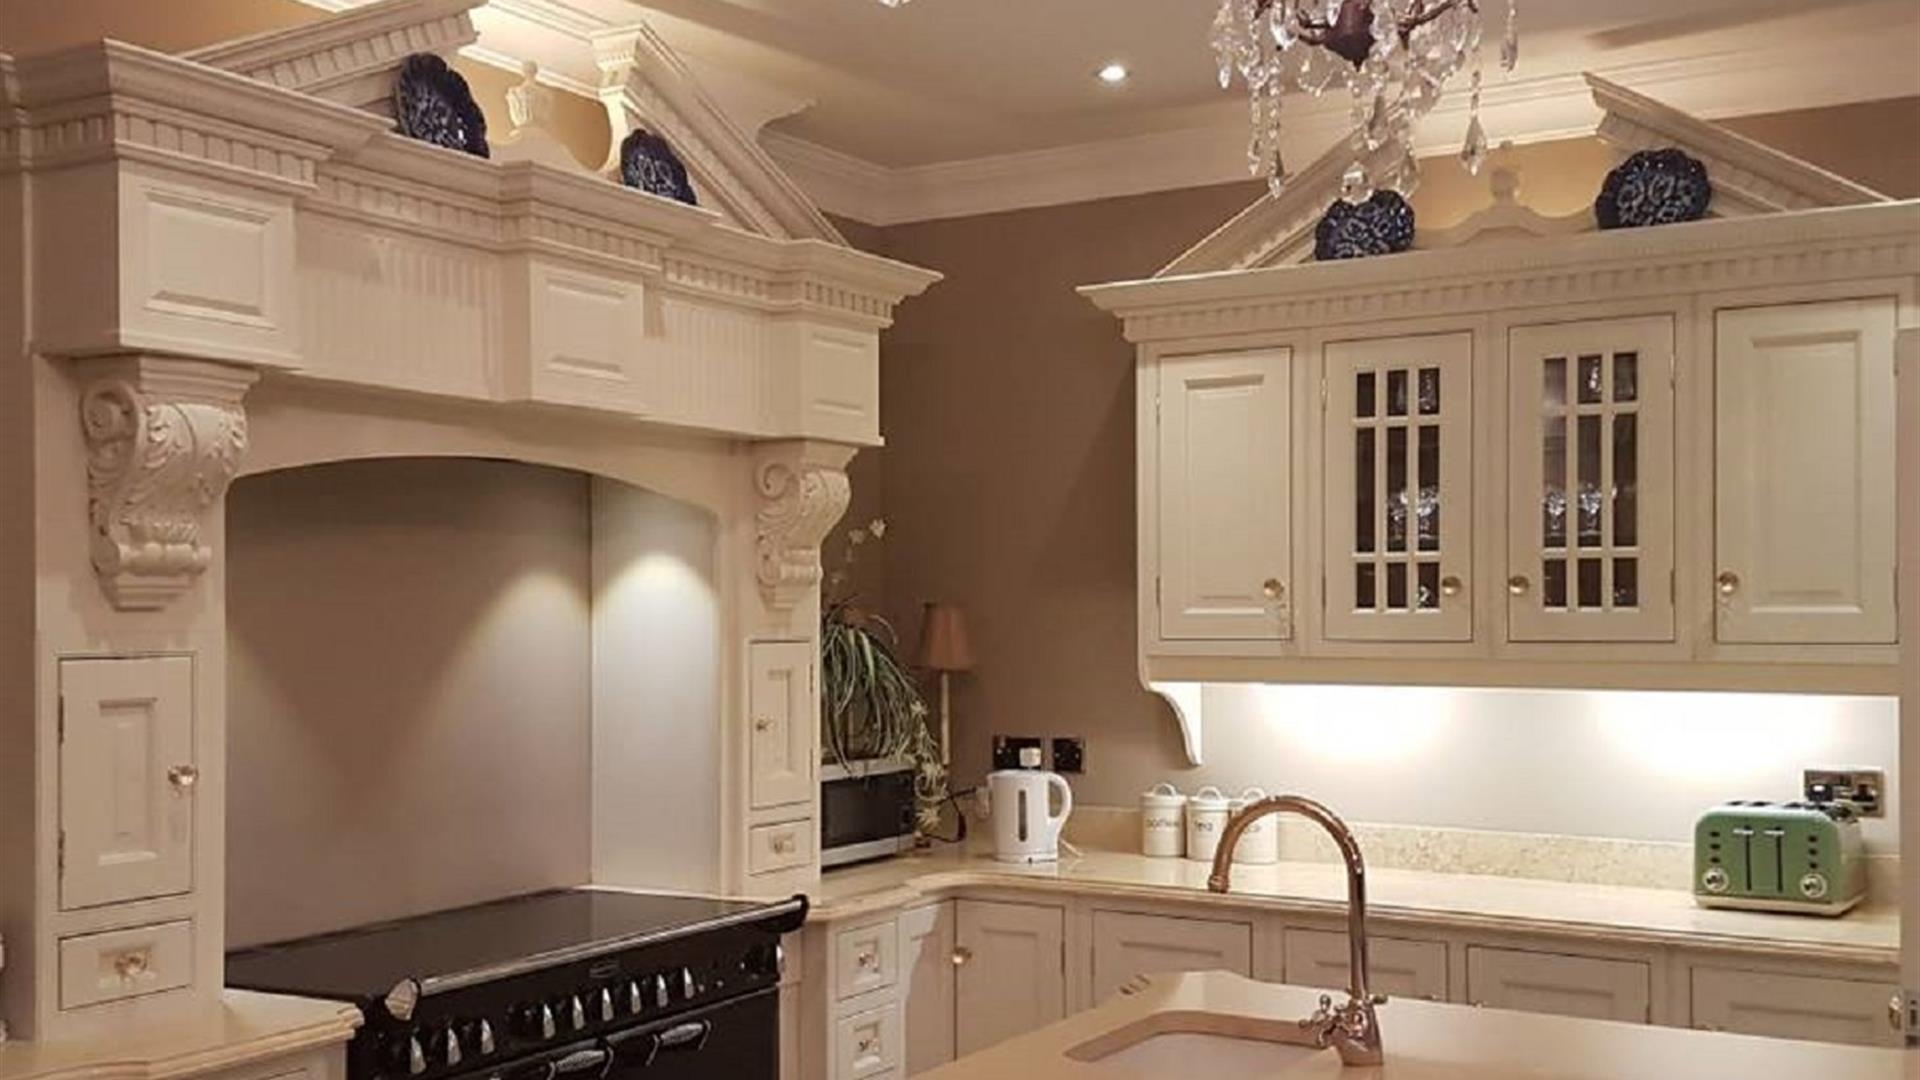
(803,490)
(164,437)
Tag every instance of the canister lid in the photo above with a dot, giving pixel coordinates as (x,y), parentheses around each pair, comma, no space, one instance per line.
(1209,798)
(1163,794)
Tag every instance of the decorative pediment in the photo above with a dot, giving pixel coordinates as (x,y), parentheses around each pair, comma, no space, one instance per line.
(1748,178)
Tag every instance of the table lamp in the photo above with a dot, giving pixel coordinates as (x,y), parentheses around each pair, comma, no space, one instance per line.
(944,648)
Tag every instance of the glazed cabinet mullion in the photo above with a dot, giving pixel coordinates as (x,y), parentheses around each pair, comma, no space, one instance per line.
(1397,522)
(1591,468)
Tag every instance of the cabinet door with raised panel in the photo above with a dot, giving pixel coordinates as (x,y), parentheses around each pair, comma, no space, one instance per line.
(1398,529)
(127,779)
(1126,945)
(1397,967)
(1793,1006)
(1012,971)
(926,963)
(780,707)
(1590,473)
(1223,472)
(1585,986)
(1803,473)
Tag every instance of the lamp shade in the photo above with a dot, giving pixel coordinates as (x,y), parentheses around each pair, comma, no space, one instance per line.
(943,639)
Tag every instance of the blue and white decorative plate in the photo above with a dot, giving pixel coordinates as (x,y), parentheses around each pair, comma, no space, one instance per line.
(434,105)
(648,162)
(1383,225)
(1654,187)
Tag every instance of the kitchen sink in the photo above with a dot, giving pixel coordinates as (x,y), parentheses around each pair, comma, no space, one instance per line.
(1225,1057)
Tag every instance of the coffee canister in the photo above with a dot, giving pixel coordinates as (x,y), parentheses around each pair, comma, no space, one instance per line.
(1206,816)
(1162,822)
(1260,841)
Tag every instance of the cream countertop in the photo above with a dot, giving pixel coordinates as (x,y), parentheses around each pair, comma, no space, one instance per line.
(1656,916)
(1423,1041)
(243,1027)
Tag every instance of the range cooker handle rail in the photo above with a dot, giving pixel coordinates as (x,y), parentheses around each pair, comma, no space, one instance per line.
(690,1036)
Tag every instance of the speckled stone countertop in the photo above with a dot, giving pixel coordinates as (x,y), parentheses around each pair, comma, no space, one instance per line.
(1460,901)
(241,1028)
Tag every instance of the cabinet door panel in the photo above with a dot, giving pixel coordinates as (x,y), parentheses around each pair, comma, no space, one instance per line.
(1399,489)
(1793,1006)
(1803,473)
(1128,945)
(1225,529)
(1590,464)
(1582,986)
(127,779)
(1012,978)
(926,958)
(780,708)
(1397,967)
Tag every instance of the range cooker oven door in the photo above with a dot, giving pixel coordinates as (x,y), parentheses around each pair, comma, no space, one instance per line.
(731,1040)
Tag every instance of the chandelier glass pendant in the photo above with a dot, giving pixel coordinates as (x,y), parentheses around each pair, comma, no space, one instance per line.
(1394,58)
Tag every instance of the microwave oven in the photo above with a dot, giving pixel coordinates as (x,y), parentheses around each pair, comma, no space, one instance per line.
(866,811)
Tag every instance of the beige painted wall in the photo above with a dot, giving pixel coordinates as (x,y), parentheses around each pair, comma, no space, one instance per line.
(408,690)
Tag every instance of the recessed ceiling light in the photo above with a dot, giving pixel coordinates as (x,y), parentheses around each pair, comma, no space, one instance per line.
(1113,74)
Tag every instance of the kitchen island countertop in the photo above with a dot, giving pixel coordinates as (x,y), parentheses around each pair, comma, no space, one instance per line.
(241,1028)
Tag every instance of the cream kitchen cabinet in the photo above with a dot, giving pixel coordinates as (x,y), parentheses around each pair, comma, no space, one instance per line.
(1792,1006)
(1011,976)
(1591,987)
(1225,515)
(1397,967)
(781,707)
(1803,473)
(1126,945)
(927,972)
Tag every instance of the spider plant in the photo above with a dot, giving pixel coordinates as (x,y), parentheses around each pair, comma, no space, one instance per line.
(872,706)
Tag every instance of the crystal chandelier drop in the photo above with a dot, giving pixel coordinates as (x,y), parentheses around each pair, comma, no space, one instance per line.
(1394,57)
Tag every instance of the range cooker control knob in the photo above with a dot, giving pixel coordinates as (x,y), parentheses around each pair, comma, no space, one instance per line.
(482,1038)
(660,999)
(605,1002)
(633,997)
(536,1021)
(575,1011)
(409,1056)
(446,1048)
(688,988)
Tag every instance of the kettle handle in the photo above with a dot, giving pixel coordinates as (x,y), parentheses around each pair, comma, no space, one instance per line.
(1066,799)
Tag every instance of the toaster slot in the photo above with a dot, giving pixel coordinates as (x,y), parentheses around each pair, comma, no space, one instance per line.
(1769,866)
(1742,853)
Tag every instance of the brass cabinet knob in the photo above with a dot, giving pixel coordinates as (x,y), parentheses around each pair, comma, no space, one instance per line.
(1450,586)
(183,777)
(1728,582)
(962,956)
(763,723)
(131,965)
(1897,1012)
(1273,588)
(1518,585)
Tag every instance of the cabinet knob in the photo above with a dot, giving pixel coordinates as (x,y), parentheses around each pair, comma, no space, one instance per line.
(1518,585)
(782,845)
(763,723)
(130,965)
(1897,1012)
(1450,586)
(962,956)
(183,777)
(1273,588)
(1728,582)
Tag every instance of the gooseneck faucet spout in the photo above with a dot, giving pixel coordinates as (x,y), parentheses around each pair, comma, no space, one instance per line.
(1353,1029)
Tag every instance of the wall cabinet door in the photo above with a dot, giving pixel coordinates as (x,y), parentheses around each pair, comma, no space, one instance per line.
(1012,971)
(1803,473)
(926,959)
(1793,1006)
(127,779)
(1590,462)
(1398,528)
(1397,967)
(781,703)
(1223,471)
(1582,986)
(1128,945)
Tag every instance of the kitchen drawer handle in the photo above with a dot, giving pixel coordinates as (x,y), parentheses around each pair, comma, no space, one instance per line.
(782,845)
(131,965)
(1518,585)
(1450,586)
(962,956)
(1274,589)
(1728,583)
(183,777)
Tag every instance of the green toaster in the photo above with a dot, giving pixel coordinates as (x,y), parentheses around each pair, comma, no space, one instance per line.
(1772,856)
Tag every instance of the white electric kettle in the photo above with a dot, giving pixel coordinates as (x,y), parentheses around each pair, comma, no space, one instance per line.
(1025,828)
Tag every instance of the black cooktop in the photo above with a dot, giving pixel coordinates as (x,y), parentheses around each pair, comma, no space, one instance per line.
(482,942)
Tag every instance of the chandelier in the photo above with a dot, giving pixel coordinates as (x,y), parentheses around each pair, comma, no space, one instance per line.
(1394,58)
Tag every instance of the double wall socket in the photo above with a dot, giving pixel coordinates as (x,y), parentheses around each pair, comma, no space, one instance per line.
(1006,749)
(1864,788)
(1069,752)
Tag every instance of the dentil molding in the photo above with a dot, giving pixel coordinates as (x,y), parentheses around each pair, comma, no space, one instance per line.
(803,490)
(164,437)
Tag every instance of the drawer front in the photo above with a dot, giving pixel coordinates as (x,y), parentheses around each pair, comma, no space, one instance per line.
(867,1044)
(866,958)
(1562,985)
(1127,945)
(1397,967)
(1793,1006)
(117,964)
(773,848)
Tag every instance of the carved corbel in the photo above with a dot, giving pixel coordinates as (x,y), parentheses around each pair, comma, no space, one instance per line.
(803,490)
(164,437)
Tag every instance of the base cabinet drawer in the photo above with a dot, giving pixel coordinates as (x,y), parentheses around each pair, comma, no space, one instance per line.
(1563,985)
(1126,945)
(866,958)
(867,1044)
(1397,967)
(773,848)
(1793,1006)
(118,964)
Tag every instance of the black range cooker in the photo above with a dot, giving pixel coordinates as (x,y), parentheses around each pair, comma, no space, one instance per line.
(569,984)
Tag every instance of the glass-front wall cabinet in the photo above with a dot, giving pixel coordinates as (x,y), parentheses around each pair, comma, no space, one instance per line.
(1590,534)
(1398,522)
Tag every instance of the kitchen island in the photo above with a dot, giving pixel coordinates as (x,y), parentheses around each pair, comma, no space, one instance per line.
(1223,1026)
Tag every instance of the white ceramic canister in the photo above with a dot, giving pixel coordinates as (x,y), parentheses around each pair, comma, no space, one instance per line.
(1162,822)
(1260,842)
(1206,816)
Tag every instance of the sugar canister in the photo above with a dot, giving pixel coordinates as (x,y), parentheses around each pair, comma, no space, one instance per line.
(1162,826)
(1260,841)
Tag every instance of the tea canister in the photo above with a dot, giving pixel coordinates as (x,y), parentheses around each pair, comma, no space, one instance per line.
(1260,841)
(1206,816)
(1162,822)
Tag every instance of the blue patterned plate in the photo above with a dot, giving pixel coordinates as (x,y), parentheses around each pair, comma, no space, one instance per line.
(648,162)
(1654,187)
(434,105)
(1382,225)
